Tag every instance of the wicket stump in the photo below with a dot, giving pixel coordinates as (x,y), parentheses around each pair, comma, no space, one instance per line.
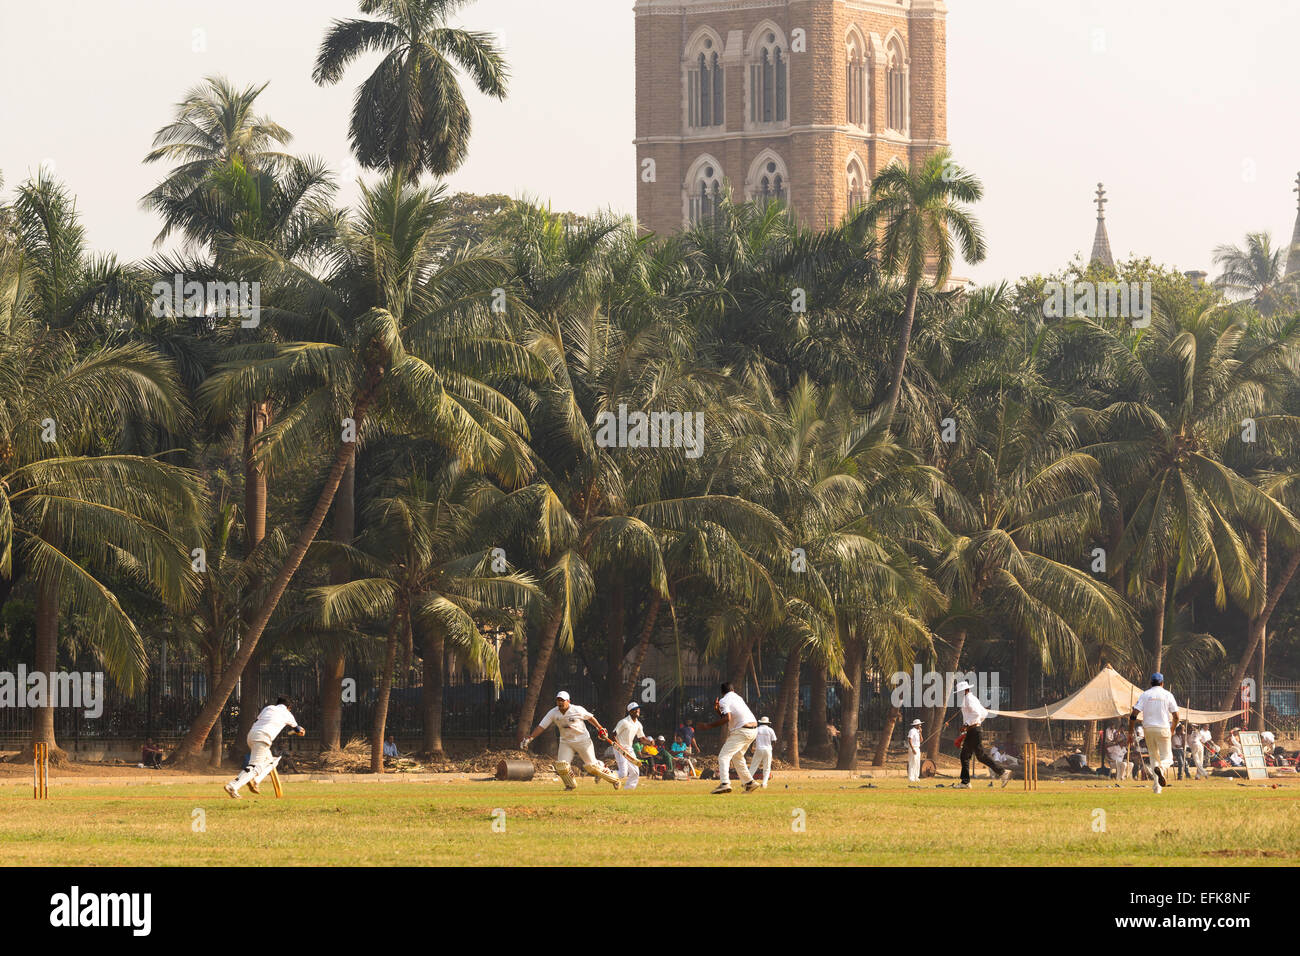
(275,783)
(1029,758)
(41,771)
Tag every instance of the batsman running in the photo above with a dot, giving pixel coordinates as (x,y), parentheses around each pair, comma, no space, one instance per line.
(571,721)
(261,735)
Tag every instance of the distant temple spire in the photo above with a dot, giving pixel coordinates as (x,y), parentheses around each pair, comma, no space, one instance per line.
(1101,242)
(1293,256)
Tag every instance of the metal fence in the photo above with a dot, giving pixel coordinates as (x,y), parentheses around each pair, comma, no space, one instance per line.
(174,693)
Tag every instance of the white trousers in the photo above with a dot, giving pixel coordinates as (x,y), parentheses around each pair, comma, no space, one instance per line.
(1117,757)
(585,751)
(259,760)
(1198,758)
(629,770)
(914,766)
(762,761)
(733,749)
(1160,746)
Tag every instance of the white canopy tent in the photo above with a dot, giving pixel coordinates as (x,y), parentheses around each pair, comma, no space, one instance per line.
(1105,697)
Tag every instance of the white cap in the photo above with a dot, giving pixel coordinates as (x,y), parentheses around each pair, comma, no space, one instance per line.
(961,686)
(763,720)
(562,695)
(661,736)
(916,723)
(633,706)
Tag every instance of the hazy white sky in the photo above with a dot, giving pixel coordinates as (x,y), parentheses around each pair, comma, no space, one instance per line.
(1185,108)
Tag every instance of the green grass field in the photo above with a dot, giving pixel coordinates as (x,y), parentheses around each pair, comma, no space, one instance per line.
(407,823)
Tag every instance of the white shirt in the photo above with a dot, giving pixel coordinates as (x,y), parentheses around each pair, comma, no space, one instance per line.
(572,723)
(914,740)
(766,737)
(736,711)
(1157,706)
(1268,737)
(272,720)
(628,730)
(1203,736)
(973,713)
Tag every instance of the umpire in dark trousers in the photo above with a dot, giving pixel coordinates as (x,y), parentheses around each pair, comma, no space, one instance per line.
(973,713)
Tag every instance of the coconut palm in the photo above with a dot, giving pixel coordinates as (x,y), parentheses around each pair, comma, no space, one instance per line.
(402,331)
(1185,389)
(1252,271)
(410,115)
(920,213)
(214,127)
(69,516)
(423,574)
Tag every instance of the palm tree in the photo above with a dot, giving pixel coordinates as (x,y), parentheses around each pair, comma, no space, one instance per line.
(69,516)
(423,574)
(1184,387)
(410,115)
(214,127)
(919,213)
(1253,271)
(402,332)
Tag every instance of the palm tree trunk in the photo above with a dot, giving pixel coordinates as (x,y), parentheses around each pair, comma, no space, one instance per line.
(46,662)
(192,743)
(848,757)
(882,743)
(1020,690)
(331,685)
(934,732)
(333,665)
(643,645)
(787,700)
(257,418)
(818,740)
(1257,716)
(1256,631)
(614,624)
(385,693)
(433,664)
(740,660)
(1160,615)
(900,353)
(214,674)
(541,664)
(792,750)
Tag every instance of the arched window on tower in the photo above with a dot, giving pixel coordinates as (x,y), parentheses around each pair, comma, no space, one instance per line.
(769,81)
(899,108)
(768,181)
(857,185)
(705,193)
(856,74)
(705,84)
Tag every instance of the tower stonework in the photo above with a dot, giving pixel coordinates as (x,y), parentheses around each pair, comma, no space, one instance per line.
(801,101)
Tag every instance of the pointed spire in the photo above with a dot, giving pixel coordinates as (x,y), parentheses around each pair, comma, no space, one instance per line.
(1293,257)
(1101,242)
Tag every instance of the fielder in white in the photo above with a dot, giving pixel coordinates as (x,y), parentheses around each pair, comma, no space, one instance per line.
(1159,712)
(742,728)
(1197,738)
(571,721)
(763,741)
(261,735)
(626,731)
(914,753)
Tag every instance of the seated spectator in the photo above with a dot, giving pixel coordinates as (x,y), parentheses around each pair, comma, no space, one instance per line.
(682,756)
(1078,761)
(663,760)
(151,755)
(390,749)
(1003,758)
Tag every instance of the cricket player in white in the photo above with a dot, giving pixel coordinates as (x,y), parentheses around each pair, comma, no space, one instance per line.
(914,753)
(571,721)
(1197,738)
(626,731)
(1159,712)
(742,728)
(763,742)
(261,735)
